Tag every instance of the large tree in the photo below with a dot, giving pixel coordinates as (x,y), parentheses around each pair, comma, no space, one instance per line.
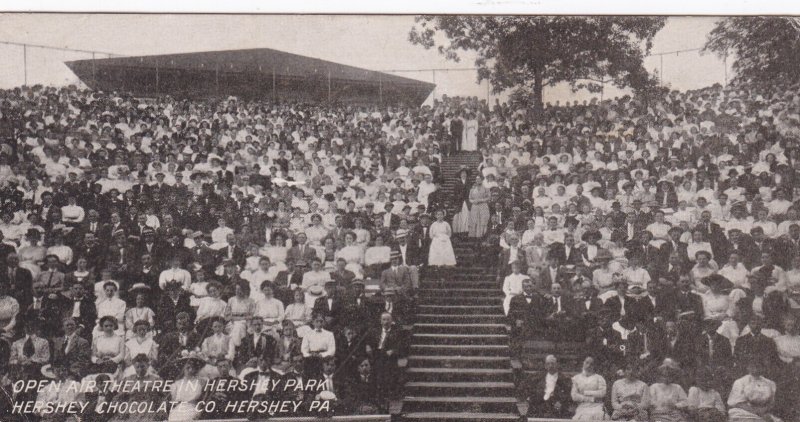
(762,48)
(538,51)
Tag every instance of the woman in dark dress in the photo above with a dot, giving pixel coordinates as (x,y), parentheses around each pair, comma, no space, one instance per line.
(461,200)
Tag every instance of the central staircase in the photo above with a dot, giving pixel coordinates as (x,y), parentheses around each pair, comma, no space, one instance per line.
(459,366)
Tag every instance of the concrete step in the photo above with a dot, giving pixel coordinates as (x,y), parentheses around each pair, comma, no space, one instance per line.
(485,284)
(469,301)
(466,328)
(460,374)
(414,404)
(466,319)
(460,309)
(459,339)
(444,361)
(462,292)
(464,389)
(476,269)
(460,349)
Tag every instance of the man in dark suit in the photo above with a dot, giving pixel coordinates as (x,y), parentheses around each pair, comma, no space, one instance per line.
(687,300)
(254,344)
(678,343)
(350,349)
(568,253)
(755,345)
(172,342)
(649,256)
(620,304)
(342,276)
(284,280)
(174,302)
(91,225)
(361,395)
(659,304)
(76,304)
(121,254)
(527,312)
(762,243)
(301,252)
(151,245)
(553,272)
(333,381)
(389,220)
(713,233)
(712,349)
(585,301)
(385,346)
(19,280)
(109,230)
(5,249)
(92,249)
(422,234)
(743,245)
(676,266)
(361,313)
(789,247)
(674,244)
(456,131)
(437,200)
(549,394)
(560,321)
(233,252)
(331,306)
(146,273)
(73,348)
(42,305)
(141,189)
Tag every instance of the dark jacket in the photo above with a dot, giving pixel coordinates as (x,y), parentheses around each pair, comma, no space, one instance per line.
(539,407)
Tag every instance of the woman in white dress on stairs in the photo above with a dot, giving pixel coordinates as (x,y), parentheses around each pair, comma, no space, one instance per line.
(441,251)
(469,138)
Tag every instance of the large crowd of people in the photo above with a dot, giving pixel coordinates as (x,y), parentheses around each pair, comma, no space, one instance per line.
(663,238)
(223,239)
(217,239)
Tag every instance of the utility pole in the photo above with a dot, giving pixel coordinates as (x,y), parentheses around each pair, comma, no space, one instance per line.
(434,82)
(25,62)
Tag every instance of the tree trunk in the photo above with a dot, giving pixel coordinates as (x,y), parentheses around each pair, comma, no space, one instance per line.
(538,105)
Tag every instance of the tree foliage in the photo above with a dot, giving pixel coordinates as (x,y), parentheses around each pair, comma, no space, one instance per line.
(538,51)
(762,48)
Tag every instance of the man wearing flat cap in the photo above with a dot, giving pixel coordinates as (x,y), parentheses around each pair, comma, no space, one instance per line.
(397,275)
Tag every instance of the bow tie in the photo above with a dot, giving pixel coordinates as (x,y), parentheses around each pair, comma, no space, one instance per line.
(265,374)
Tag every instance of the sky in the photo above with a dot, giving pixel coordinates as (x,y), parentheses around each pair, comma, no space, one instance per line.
(372,42)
